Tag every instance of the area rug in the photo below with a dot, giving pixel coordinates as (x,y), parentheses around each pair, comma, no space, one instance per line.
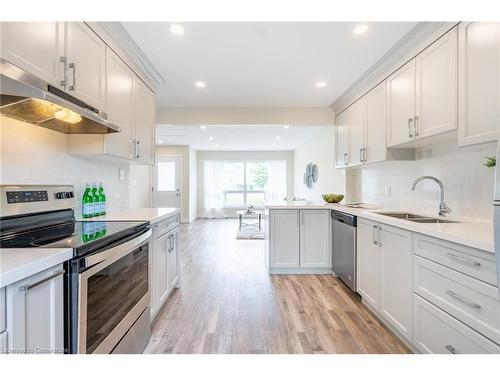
(250,234)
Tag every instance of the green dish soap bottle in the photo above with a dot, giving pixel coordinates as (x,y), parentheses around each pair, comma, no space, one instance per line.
(87,202)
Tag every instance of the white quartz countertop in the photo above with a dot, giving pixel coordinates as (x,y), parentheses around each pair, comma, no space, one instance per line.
(476,234)
(18,264)
(153,215)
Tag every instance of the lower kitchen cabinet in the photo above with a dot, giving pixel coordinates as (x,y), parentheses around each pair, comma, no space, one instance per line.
(385,273)
(165,262)
(34,310)
(299,241)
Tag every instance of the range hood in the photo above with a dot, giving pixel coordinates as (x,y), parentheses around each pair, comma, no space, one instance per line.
(26,97)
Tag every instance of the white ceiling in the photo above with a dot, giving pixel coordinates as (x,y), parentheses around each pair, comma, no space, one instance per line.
(238,137)
(261,64)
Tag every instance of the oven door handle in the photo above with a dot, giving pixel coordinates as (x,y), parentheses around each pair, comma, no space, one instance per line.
(118,251)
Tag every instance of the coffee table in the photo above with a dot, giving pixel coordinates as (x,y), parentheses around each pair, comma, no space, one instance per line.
(250,215)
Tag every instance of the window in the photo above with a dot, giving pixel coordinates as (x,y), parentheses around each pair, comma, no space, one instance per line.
(166,176)
(242,183)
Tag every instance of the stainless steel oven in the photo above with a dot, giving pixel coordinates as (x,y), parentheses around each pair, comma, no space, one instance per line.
(113,293)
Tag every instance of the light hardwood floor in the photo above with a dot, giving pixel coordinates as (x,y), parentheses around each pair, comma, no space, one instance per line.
(228,303)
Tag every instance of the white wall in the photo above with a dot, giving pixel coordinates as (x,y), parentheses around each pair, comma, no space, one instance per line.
(242,155)
(319,150)
(34,155)
(468,184)
(193,184)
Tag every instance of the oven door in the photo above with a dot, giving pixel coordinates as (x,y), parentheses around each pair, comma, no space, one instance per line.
(113,292)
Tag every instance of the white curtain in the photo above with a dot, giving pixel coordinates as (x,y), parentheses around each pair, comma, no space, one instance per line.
(213,189)
(276,181)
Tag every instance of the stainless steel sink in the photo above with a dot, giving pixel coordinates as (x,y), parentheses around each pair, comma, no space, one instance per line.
(417,218)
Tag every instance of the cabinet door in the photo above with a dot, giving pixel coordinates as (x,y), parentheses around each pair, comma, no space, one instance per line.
(161,246)
(342,140)
(315,244)
(173,261)
(284,238)
(35,313)
(436,87)
(401,105)
(144,121)
(35,47)
(375,125)
(396,279)
(120,82)
(368,253)
(479,82)
(356,122)
(86,54)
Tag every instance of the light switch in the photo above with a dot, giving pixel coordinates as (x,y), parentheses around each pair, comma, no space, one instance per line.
(121,174)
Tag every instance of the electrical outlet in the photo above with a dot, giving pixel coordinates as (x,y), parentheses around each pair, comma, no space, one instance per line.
(121,174)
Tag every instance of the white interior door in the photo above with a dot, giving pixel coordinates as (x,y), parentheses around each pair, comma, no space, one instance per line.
(167,182)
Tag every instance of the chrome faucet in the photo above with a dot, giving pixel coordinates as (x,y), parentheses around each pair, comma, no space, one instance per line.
(443,207)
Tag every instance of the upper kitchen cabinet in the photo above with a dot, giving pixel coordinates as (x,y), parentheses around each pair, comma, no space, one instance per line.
(479,87)
(144,122)
(342,139)
(86,64)
(422,94)
(36,47)
(120,103)
(374,148)
(356,125)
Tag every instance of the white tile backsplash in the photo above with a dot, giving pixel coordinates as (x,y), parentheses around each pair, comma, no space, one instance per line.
(34,155)
(468,184)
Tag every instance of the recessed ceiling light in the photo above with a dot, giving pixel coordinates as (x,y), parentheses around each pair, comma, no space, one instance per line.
(278,138)
(360,29)
(176,29)
(210,138)
(286,126)
(321,84)
(160,141)
(199,84)
(203,127)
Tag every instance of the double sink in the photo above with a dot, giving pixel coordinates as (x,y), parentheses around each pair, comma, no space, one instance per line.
(416,218)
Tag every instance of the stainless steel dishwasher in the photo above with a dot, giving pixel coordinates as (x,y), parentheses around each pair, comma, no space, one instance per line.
(344,247)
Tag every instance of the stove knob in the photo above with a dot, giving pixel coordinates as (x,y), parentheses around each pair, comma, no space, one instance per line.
(69,194)
(60,195)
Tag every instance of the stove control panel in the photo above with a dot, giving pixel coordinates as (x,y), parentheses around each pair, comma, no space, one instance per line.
(27,196)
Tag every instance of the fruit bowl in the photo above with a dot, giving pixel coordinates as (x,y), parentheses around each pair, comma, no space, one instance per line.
(332,198)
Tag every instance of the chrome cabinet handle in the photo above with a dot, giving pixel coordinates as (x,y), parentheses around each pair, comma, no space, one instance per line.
(410,120)
(171,243)
(346,158)
(415,127)
(364,155)
(138,149)
(361,155)
(374,239)
(72,66)
(133,145)
(462,299)
(464,260)
(451,349)
(25,288)
(380,236)
(64,81)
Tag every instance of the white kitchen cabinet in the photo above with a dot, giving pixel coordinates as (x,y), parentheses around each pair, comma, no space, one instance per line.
(375,125)
(165,265)
(396,285)
(120,104)
(356,125)
(342,139)
(35,320)
(284,237)
(86,59)
(35,47)
(401,105)
(437,87)
(368,263)
(315,241)
(479,83)
(144,122)
(3,318)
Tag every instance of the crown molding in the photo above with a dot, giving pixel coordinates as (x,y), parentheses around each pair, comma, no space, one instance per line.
(416,40)
(120,36)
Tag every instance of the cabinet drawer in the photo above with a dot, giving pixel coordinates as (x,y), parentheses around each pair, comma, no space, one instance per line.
(3,320)
(472,262)
(166,225)
(469,300)
(437,332)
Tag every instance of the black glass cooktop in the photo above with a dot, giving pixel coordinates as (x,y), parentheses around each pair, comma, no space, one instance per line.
(82,236)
